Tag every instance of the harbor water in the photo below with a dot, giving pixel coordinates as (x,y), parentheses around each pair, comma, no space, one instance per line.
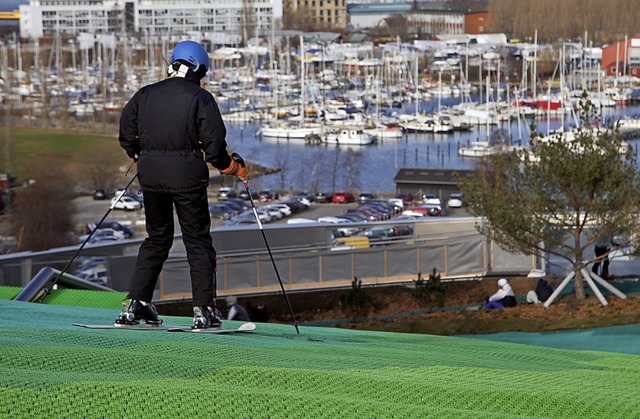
(372,168)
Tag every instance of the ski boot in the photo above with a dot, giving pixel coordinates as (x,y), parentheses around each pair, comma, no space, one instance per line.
(206,317)
(135,310)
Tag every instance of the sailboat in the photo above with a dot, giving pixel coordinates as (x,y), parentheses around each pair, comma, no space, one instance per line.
(289,130)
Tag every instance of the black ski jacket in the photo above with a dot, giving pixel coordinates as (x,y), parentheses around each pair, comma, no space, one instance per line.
(171,125)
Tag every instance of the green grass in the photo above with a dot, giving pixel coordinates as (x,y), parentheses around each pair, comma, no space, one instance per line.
(52,147)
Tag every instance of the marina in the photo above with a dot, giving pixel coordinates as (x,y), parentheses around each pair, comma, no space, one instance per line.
(373,167)
(339,116)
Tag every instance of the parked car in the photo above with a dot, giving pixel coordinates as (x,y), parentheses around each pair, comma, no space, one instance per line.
(425,210)
(248,217)
(386,212)
(100,194)
(137,196)
(284,209)
(354,217)
(332,220)
(323,197)
(431,199)
(398,203)
(308,195)
(274,213)
(392,205)
(370,215)
(245,195)
(226,192)
(365,197)
(126,203)
(295,205)
(455,200)
(379,215)
(267,196)
(343,198)
(376,234)
(114,225)
(90,263)
(407,198)
(239,202)
(222,211)
(102,235)
(98,275)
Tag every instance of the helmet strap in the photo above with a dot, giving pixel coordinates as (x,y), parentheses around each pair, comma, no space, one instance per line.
(177,70)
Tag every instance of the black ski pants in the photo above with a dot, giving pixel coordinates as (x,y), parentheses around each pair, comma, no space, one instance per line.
(192,209)
(600,252)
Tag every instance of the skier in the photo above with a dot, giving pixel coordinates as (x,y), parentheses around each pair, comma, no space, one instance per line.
(171,129)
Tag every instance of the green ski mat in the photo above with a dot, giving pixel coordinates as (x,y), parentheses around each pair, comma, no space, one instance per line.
(9,293)
(50,368)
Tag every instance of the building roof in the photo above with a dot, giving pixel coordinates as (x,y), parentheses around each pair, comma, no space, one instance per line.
(377,8)
(419,176)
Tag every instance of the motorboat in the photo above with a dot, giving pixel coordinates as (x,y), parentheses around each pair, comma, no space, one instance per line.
(348,136)
(478,149)
(385,132)
(422,124)
(290,131)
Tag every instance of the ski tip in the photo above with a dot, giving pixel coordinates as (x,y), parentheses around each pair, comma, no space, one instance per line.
(247,327)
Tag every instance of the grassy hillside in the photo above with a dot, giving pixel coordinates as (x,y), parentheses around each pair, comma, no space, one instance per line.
(30,149)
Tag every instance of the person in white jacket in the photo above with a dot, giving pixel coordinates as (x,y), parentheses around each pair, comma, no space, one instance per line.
(504,297)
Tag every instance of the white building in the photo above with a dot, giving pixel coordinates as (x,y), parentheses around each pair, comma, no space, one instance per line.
(217,19)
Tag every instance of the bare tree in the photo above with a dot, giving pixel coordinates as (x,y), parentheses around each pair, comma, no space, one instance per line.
(566,19)
(282,162)
(101,166)
(351,164)
(335,165)
(43,218)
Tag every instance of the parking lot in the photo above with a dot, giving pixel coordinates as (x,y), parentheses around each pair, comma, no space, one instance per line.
(89,210)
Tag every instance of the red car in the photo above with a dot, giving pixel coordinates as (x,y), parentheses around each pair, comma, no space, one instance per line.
(342,198)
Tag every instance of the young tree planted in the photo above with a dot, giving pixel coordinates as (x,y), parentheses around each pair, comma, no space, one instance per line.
(558,196)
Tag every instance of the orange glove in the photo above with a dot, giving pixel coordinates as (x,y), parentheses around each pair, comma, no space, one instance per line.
(236,169)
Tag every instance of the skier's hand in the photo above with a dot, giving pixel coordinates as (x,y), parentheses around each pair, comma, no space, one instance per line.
(236,169)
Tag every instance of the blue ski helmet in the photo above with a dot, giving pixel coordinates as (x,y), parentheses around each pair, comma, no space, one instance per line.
(193,53)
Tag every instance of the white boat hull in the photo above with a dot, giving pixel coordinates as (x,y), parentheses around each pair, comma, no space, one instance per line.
(348,137)
(290,132)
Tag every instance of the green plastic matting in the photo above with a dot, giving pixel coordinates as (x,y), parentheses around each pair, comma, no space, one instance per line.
(85,298)
(49,368)
(8,293)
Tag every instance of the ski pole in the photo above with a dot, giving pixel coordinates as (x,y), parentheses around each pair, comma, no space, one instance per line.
(240,160)
(54,281)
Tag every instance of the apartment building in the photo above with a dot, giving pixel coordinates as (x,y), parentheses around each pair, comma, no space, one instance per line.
(227,19)
(317,14)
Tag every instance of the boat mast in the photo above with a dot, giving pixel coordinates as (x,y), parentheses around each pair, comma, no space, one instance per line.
(302,87)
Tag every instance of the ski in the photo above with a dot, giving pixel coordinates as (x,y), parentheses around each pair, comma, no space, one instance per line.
(245,327)
(122,326)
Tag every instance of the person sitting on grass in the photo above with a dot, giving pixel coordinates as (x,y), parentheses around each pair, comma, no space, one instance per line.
(504,297)
(542,292)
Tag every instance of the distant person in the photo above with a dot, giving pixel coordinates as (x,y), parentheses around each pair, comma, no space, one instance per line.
(172,129)
(260,313)
(236,310)
(504,297)
(601,249)
(541,294)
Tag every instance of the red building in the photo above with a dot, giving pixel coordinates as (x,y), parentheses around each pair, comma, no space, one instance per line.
(622,58)
(476,22)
